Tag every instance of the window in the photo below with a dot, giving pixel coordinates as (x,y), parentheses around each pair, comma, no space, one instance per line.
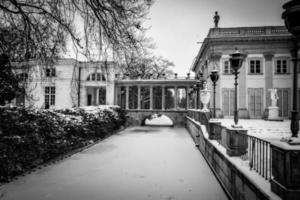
(181,98)
(169,98)
(102,96)
(50,72)
(282,66)
(255,67)
(49,97)
(22,76)
(133,97)
(157,97)
(145,97)
(96,77)
(227,69)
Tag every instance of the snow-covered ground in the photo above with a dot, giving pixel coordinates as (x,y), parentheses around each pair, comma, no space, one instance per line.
(270,130)
(138,163)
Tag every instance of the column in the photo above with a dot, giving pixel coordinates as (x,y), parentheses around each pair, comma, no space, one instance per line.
(216,62)
(139,97)
(118,95)
(242,91)
(187,97)
(97,96)
(163,98)
(268,77)
(175,99)
(151,97)
(127,97)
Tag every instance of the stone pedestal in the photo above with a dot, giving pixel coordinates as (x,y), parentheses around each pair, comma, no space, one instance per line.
(285,181)
(273,113)
(237,141)
(214,130)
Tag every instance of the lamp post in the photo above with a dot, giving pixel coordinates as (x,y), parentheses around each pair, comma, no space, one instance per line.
(214,77)
(291,17)
(198,86)
(195,96)
(236,60)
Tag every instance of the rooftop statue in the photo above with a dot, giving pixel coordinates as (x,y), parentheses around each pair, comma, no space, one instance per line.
(216,19)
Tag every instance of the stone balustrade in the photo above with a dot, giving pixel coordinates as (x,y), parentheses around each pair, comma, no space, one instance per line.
(277,162)
(247,31)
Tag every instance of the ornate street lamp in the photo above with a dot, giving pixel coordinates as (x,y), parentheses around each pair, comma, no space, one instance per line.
(291,17)
(214,77)
(198,86)
(236,60)
(195,96)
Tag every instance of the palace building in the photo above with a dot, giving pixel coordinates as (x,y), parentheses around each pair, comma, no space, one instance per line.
(68,83)
(268,65)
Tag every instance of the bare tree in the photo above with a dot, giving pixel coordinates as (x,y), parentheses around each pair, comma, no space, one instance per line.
(39,28)
(147,67)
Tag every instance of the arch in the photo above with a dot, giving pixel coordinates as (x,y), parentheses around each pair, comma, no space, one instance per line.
(96,77)
(138,118)
(157,119)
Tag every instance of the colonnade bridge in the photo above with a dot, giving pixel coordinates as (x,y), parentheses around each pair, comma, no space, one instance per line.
(144,97)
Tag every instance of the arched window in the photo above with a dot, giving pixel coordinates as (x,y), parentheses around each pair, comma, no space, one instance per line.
(96,77)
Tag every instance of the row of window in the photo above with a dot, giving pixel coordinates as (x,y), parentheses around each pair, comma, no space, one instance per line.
(255,67)
(157,103)
(51,72)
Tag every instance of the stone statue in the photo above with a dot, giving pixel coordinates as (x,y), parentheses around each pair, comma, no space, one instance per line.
(216,19)
(274,97)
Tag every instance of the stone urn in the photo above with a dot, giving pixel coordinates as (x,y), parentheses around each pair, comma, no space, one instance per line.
(204,98)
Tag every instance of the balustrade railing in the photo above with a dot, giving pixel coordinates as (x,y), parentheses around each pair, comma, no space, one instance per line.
(258,150)
(200,116)
(259,155)
(248,31)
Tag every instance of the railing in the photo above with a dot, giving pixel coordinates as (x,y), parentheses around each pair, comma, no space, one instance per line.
(198,115)
(258,150)
(259,155)
(248,31)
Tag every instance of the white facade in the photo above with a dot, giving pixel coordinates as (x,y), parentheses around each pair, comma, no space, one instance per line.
(268,65)
(68,83)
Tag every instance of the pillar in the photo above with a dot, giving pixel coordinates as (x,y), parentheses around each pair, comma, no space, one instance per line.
(163,98)
(236,141)
(139,97)
(242,92)
(268,76)
(175,99)
(285,179)
(151,97)
(127,97)
(215,59)
(97,96)
(187,98)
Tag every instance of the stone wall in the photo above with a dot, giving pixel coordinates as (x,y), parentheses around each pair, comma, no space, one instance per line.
(234,182)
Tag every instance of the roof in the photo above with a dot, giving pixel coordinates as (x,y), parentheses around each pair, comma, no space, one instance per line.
(242,34)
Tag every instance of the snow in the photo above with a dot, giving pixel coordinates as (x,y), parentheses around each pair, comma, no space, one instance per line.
(159,120)
(242,165)
(136,164)
(269,130)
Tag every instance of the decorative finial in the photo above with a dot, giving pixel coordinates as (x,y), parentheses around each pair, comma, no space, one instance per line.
(216,19)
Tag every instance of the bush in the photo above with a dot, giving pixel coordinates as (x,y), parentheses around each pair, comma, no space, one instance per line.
(29,137)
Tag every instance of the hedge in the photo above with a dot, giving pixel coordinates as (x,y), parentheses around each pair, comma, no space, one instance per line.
(30,137)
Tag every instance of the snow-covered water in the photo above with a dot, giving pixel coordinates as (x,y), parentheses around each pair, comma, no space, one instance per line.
(138,163)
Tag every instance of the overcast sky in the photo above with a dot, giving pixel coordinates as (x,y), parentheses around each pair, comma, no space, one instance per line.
(177,25)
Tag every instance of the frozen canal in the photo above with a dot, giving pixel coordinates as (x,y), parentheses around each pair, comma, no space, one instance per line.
(138,163)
